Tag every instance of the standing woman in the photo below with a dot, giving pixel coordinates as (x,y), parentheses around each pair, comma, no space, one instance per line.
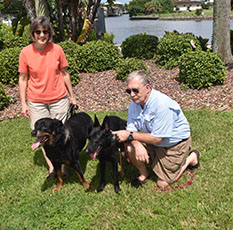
(44,83)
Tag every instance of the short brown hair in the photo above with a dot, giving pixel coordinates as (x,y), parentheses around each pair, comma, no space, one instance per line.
(43,22)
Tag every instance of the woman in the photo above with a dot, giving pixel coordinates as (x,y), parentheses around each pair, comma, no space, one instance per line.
(44,82)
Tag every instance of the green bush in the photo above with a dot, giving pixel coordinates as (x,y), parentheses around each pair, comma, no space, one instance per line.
(107,37)
(98,56)
(72,51)
(9,61)
(128,65)
(172,46)
(4,99)
(141,46)
(201,69)
(73,69)
(1,37)
(10,40)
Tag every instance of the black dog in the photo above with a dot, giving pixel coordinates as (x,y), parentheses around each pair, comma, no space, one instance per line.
(63,143)
(104,145)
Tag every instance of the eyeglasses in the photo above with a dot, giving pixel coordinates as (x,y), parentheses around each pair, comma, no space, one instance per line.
(135,90)
(38,32)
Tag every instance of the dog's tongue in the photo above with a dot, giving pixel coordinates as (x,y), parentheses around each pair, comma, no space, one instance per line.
(93,155)
(36,144)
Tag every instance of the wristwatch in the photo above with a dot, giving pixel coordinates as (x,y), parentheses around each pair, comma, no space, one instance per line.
(130,137)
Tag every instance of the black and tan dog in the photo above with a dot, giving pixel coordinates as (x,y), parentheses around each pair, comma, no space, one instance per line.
(63,143)
(104,145)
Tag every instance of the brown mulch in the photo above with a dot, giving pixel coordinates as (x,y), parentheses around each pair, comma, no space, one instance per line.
(101,91)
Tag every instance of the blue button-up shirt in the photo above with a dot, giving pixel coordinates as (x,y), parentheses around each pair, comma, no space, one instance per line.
(161,116)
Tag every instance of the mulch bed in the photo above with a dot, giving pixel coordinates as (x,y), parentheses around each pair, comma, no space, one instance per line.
(101,91)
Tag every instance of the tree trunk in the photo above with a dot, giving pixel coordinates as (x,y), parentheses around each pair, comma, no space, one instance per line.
(61,23)
(93,5)
(73,8)
(29,6)
(221,30)
(42,8)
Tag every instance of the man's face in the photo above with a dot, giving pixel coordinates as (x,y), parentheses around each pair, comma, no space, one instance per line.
(138,92)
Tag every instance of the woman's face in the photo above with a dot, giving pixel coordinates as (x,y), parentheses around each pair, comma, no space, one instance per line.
(41,36)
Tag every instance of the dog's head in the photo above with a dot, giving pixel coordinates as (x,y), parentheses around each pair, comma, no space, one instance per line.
(100,137)
(46,130)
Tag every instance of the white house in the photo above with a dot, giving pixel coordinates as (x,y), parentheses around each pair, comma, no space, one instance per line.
(186,5)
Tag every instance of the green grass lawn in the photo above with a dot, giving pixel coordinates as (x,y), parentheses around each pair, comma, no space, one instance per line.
(26,201)
(187,14)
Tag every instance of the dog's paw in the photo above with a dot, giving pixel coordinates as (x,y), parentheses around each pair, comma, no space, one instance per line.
(117,189)
(100,188)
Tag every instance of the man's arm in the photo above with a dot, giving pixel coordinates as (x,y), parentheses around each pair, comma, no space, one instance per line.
(122,135)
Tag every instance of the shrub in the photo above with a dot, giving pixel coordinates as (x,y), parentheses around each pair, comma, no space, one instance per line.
(10,40)
(4,99)
(9,61)
(107,37)
(128,65)
(172,46)
(98,56)
(73,69)
(201,69)
(142,46)
(1,37)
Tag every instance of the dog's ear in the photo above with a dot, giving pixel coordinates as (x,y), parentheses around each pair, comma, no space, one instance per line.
(105,124)
(96,122)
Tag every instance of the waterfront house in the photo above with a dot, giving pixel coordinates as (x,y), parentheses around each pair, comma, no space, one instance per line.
(182,6)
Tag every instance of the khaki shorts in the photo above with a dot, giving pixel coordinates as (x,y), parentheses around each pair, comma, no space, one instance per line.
(167,162)
(57,110)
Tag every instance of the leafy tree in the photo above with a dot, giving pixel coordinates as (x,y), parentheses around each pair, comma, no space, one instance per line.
(66,16)
(152,7)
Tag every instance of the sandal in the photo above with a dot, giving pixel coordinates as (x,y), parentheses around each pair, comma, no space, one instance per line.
(192,167)
(136,182)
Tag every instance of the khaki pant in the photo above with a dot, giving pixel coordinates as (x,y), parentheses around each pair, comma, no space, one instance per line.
(167,162)
(57,110)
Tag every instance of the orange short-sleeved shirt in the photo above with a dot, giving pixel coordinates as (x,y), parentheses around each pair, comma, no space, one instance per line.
(46,82)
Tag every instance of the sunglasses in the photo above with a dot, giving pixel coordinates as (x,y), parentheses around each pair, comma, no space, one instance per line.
(38,32)
(135,90)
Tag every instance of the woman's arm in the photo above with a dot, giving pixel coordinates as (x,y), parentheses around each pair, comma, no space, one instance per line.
(69,86)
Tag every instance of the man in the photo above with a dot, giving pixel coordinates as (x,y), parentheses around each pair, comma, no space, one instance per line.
(156,127)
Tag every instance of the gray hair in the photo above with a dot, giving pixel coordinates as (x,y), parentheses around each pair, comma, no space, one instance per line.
(140,75)
(43,22)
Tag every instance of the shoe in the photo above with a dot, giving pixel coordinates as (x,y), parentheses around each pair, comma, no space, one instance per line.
(192,167)
(136,183)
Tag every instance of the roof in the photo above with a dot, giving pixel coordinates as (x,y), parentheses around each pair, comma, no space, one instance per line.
(186,2)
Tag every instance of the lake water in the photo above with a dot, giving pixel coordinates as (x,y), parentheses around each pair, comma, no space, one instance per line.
(122,27)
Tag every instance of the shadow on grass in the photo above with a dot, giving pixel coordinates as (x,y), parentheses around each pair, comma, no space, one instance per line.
(130,172)
(71,176)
